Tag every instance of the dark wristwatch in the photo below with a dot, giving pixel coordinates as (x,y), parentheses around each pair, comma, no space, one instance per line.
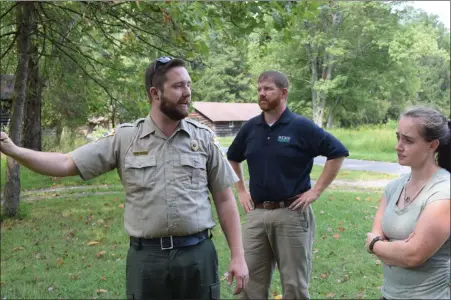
(370,247)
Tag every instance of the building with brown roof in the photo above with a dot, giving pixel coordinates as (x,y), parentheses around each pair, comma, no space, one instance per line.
(225,119)
(6,98)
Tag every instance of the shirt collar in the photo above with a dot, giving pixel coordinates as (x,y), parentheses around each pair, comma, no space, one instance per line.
(183,125)
(149,127)
(284,118)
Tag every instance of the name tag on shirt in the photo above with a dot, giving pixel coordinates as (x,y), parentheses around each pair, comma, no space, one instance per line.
(140,152)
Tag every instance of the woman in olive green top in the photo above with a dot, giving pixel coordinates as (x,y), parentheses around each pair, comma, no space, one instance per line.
(411,229)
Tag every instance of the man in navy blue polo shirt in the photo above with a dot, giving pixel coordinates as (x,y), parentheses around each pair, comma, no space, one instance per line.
(279,147)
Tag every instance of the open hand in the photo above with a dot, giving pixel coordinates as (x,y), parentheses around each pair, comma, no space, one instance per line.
(303,200)
(238,270)
(246,201)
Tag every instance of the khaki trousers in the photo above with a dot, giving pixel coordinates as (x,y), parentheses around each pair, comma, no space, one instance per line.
(279,236)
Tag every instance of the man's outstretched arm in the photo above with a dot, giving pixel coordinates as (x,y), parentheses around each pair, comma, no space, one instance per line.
(45,163)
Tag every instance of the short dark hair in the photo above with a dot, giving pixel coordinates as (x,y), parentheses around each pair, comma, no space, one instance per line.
(279,78)
(156,72)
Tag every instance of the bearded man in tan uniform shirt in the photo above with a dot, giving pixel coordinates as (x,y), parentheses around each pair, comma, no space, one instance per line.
(167,165)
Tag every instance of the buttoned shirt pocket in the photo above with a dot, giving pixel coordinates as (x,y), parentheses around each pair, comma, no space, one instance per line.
(139,172)
(192,170)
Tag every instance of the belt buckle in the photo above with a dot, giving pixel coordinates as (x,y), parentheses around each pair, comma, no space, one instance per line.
(167,248)
(267,204)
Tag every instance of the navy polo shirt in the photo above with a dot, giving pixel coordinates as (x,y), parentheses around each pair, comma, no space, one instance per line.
(280,157)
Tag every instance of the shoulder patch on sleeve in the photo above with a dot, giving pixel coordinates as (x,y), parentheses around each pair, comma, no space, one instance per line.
(126,125)
(108,133)
(139,121)
(199,125)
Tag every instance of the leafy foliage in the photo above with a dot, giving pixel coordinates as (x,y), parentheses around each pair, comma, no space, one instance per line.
(349,63)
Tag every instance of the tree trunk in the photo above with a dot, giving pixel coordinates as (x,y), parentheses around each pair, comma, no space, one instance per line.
(330,117)
(319,99)
(59,132)
(12,186)
(317,110)
(32,122)
(113,113)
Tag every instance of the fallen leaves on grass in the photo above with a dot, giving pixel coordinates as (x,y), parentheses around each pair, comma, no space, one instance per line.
(341,229)
(100,254)
(18,249)
(92,243)
(378,262)
(336,236)
(225,276)
(103,278)
(330,295)
(343,279)
(121,205)
(324,276)
(100,291)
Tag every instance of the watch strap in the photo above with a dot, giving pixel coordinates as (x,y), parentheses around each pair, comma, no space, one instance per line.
(371,246)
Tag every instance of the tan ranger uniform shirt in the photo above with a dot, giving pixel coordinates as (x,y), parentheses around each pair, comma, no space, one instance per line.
(166,180)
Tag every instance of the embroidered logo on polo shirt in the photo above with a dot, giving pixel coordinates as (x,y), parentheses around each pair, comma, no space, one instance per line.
(283,139)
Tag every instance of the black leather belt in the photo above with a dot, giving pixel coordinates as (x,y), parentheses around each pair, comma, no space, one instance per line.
(171,242)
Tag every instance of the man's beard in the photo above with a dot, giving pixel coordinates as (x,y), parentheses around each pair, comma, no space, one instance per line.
(269,105)
(172,110)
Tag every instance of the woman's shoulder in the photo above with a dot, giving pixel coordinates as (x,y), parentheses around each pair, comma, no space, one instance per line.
(442,175)
(440,181)
(402,179)
(393,185)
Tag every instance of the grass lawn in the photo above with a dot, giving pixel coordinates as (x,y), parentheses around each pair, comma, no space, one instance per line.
(75,247)
(367,142)
(46,252)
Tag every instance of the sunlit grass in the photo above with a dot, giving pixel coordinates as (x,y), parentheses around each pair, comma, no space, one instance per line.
(45,253)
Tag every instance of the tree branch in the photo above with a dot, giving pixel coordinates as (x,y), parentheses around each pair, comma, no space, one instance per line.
(131,26)
(308,49)
(9,47)
(78,50)
(6,12)
(8,33)
(109,37)
(85,72)
(66,9)
(8,25)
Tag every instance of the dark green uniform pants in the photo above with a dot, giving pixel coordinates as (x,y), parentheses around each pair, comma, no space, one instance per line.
(181,273)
